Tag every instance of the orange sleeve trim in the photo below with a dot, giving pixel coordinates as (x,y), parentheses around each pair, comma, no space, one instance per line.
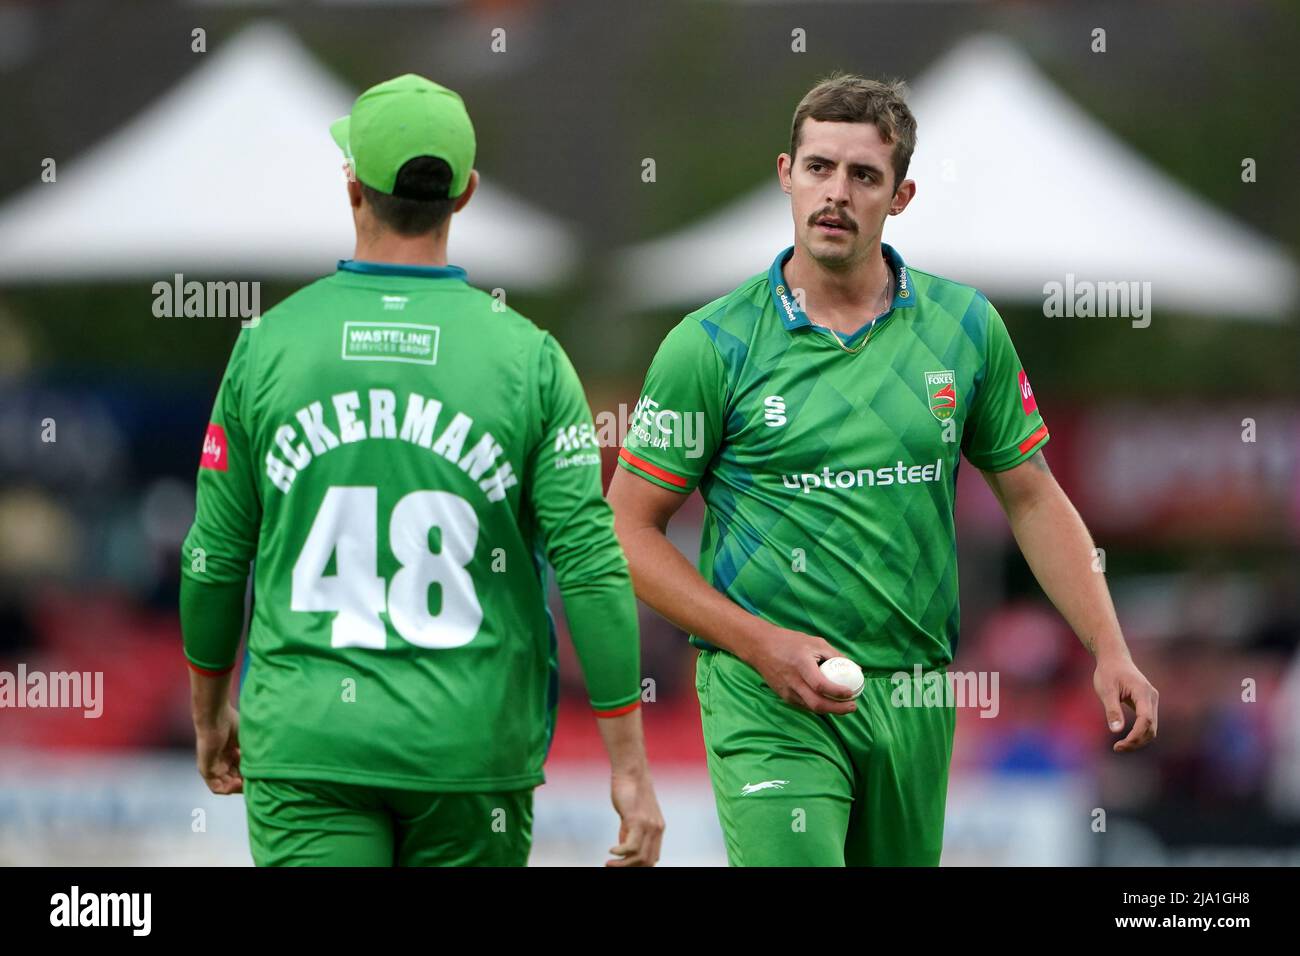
(207,673)
(650,469)
(619,711)
(1032,440)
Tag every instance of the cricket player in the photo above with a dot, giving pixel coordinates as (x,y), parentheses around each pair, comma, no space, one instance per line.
(399,456)
(821,408)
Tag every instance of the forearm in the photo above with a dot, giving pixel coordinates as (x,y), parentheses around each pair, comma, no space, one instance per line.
(669,583)
(1059,550)
(625,743)
(601,608)
(209,695)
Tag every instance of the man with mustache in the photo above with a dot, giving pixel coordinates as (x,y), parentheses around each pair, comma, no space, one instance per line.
(838,390)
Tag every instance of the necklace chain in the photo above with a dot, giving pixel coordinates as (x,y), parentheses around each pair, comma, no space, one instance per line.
(889,282)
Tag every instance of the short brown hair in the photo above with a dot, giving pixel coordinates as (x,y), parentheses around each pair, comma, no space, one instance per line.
(848,98)
(419,202)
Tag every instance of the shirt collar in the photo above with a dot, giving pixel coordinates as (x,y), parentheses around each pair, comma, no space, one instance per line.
(793,317)
(393,269)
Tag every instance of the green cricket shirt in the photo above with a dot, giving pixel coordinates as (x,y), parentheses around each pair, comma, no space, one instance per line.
(400,455)
(830,477)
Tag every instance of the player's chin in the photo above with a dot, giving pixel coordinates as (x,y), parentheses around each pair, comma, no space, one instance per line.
(833,248)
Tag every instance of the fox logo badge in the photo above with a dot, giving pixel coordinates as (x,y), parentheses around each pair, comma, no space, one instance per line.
(941,387)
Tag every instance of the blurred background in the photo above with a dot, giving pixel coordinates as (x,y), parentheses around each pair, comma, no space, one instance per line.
(628,153)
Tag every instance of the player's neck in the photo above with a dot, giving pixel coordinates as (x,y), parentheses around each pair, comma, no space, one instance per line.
(390,247)
(839,297)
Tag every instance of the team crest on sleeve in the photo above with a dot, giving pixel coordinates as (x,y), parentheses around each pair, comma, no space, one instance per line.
(941,387)
(214,448)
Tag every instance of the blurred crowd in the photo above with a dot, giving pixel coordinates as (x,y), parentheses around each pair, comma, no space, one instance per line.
(89,583)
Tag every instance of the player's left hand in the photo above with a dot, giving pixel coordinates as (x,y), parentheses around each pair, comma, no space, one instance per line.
(1118,681)
(217,748)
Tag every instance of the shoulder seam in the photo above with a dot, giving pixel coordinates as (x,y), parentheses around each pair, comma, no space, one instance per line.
(717,352)
(720,361)
(935,275)
(984,348)
(535,391)
(711,308)
(296,293)
(703,314)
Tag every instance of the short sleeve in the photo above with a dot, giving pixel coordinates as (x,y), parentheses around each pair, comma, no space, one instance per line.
(1004,427)
(228,512)
(677,424)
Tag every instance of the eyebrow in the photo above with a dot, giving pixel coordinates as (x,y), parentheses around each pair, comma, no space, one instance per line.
(876,170)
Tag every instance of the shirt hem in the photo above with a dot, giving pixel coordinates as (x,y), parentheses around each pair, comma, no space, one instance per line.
(396,781)
(870,670)
(637,468)
(1005,462)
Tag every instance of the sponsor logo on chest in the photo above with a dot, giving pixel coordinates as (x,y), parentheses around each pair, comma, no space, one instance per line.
(941,398)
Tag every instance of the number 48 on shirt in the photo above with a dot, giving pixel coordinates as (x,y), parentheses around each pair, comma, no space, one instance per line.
(346,526)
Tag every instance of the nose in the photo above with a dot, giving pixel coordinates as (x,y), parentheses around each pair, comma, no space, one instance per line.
(837,188)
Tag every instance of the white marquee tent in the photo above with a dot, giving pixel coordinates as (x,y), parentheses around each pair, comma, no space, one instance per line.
(1017,187)
(234,173)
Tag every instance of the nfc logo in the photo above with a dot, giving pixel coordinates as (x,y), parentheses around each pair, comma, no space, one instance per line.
(774,415)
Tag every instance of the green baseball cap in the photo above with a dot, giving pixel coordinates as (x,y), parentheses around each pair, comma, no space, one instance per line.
(400,119)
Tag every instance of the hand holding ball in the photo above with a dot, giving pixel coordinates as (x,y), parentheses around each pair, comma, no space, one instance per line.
(842,671)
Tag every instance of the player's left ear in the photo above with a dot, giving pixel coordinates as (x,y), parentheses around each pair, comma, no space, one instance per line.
(902,196)
(463,199)
(354,187)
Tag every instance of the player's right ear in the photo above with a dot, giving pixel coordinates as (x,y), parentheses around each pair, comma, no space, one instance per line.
(784,164)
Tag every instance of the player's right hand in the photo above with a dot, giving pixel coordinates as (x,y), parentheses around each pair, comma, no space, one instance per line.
(789,662)
(641,825)
(217,750)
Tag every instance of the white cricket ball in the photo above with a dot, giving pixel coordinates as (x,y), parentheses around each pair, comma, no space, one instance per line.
(842,671)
